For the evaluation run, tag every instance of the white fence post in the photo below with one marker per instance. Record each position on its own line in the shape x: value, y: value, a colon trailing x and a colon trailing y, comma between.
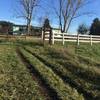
x: 42, y: 35
x: 63, y: 39
x: 53, y: 38
x: 91, y: 39
x: 78, y: 39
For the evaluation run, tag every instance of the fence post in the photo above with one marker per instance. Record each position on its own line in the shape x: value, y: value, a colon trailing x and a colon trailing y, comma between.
x: 91, y: 39
x: 78, y: 40
x: 63, y: 39
x: 53, y: 38
x: 42, y: 34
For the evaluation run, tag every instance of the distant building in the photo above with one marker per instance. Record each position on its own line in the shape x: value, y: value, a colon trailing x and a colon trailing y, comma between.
x: 56, y: 30
x: 19, y: 29
x: 13, y: 29
x: 22, y: 29
x: 6, y: 27
x: 35, y: 31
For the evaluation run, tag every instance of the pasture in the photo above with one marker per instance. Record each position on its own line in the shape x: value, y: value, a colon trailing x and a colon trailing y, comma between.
x: 30, y: 70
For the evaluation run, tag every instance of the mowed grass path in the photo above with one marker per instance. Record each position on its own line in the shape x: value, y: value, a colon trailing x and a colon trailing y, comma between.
x: 74, y: 71
x: 16, y: 83
x: 78, y: 66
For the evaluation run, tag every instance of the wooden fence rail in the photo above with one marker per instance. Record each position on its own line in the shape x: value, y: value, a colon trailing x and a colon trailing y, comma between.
x: 74, y: 38
x: 15, y: 37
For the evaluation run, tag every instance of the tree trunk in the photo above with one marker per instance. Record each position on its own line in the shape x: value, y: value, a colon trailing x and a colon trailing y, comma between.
x: 28, y: 26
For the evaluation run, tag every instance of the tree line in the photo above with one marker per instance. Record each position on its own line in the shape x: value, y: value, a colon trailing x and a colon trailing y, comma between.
x: 64, y: 10
x: 94, y: 29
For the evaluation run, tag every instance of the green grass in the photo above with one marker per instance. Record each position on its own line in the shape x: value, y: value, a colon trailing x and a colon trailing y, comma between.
x: 16, y: 82
x: 69, y: 72
x: 65, y: 92
x: 72, y: 61
x: 60, y: 66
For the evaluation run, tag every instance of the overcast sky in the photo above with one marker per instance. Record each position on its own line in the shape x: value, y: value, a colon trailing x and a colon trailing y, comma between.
x: 8, y: 13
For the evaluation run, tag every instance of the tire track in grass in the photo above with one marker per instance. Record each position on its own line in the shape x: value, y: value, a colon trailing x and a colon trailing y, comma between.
x: 49, y: 93
x: 88, y: 96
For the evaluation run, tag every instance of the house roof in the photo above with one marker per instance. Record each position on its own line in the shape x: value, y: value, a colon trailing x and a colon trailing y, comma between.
x: 19, y: 25
x: 56, y: 28
x: 34, y: 27
x: 5, y: 23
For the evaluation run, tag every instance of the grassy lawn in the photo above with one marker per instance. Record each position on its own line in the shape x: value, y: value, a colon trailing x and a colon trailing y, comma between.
x: 72, y: 72
x: 16, y: 83
x: 78, y: 64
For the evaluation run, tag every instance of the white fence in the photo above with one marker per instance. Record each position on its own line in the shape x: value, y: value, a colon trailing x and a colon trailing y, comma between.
x: 73, y: 38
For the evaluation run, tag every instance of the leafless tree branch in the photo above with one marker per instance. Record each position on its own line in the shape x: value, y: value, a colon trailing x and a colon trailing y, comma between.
x: 68, y: 10
x: 26, y: 11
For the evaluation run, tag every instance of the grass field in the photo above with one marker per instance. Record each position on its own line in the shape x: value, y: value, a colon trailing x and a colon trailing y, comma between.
x: 31, y: 71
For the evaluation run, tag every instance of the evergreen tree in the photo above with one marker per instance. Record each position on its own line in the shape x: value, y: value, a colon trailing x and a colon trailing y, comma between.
x: 83, y: 29
x: 95, y: 27
x: 47, y: 23
x: 47, y: 27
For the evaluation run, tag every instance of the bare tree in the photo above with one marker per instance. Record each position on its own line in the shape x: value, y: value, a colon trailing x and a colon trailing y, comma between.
x: 27, y: 11
x: 67, y: 10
